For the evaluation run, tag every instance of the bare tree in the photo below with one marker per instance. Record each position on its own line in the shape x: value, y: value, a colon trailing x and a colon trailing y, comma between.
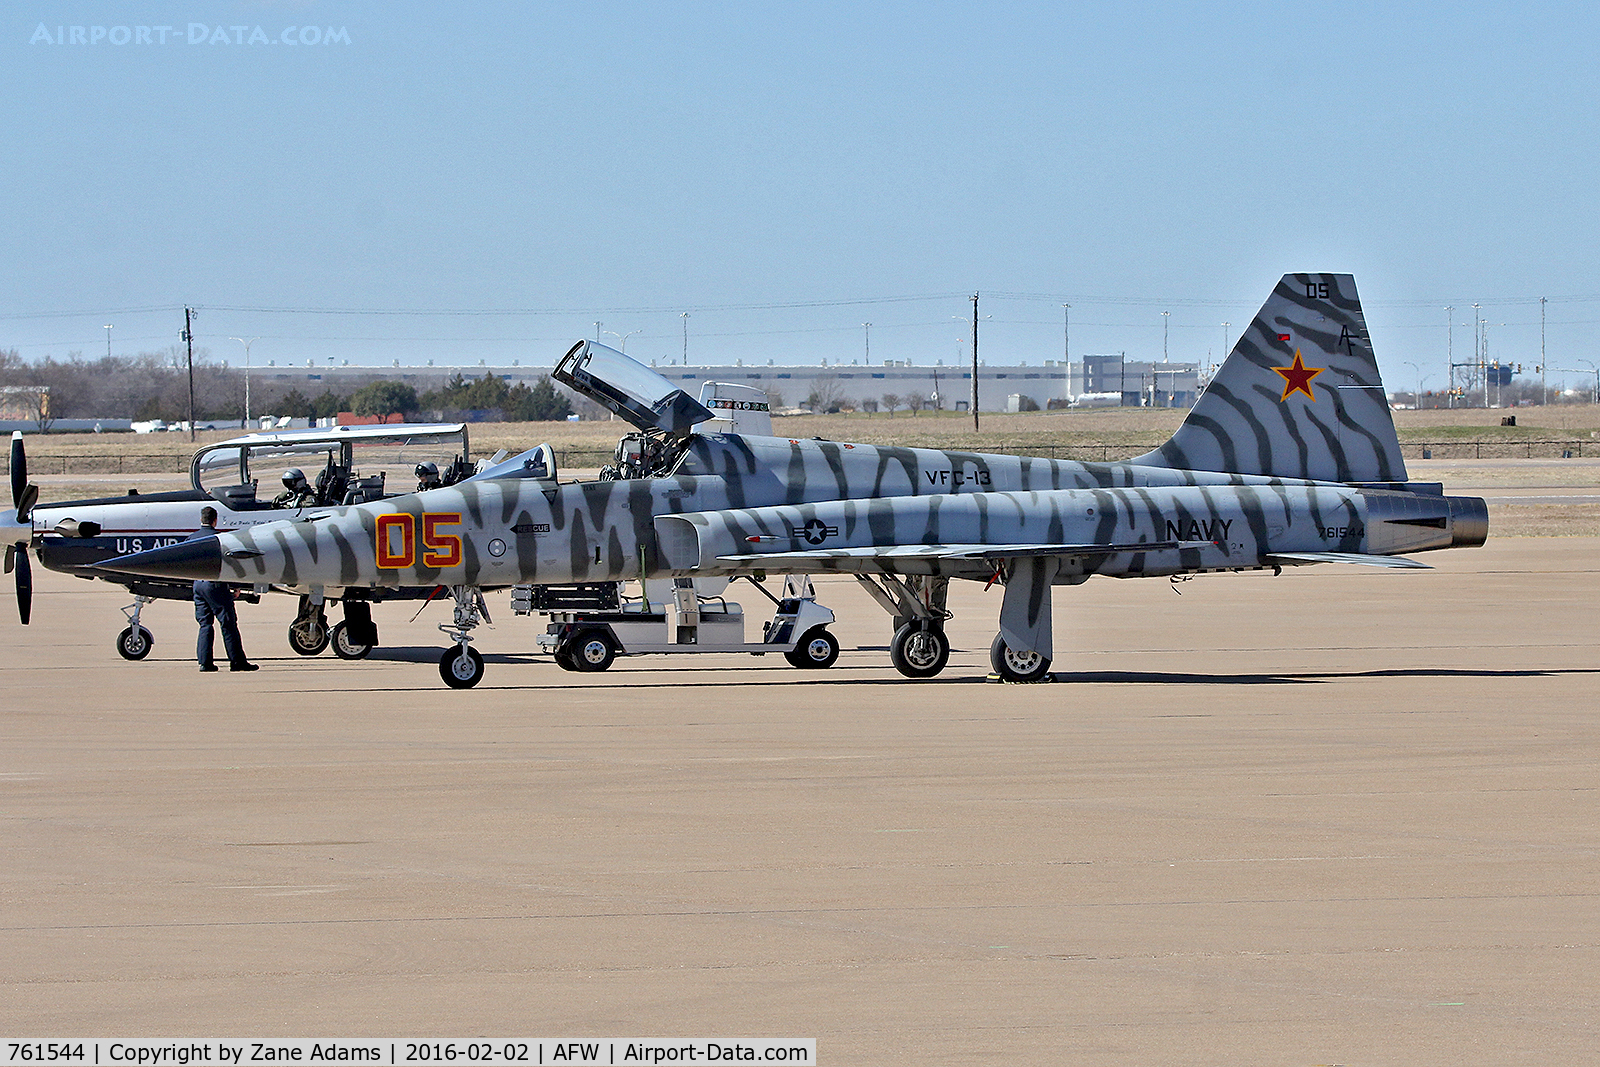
x: 826, y: 394
x: 891, y: 401
x: 916, y: 402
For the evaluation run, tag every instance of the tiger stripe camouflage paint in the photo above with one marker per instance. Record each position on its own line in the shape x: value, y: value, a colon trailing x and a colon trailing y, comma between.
x: 1337, y: 429
x: 1263, y: 465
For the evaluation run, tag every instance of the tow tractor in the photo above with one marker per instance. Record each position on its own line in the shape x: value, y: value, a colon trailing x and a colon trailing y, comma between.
x: 592, y: 624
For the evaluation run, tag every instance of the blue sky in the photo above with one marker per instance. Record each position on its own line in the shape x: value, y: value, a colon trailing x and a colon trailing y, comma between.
x: 786, y: 172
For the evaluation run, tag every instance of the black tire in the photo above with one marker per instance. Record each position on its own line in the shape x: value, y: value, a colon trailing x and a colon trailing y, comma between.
x: 564, y: 661
x: 308, y: 637
x: 816, y: 650
x: 1014, y: 666
x: 461, y: 667
x: 135, y: 643
x: 343, y: 647
x: 590, y: 650
x: 919, y: 650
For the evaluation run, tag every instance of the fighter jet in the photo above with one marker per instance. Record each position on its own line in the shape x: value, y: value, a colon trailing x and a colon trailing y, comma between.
x: 1288, y: 458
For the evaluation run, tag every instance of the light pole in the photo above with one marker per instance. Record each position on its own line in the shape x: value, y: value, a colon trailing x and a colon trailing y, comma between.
x: 1166, y: 318
x: 597, y: 333
x: 1449, y: 353
x: 974, y: 362
x: 1544, y: 389
x: 246, y: 341
x: 1499, y: 390
x: 108, y: 345
x: 685, y: 318
x: 622, y: 338
x: 1418, y: 398
x: 1477, y: 351
x: 1225, y: 339
x: 867, y: 326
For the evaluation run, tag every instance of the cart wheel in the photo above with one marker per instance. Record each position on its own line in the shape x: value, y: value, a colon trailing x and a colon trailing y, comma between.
x: 308, y: 636
x: 1014, y: 666
x: 919, y: 651
x: 135, y: 643
x: 461, y: 667
x: 345, y: 648
x: 591, y: 650
x: 817, y: 649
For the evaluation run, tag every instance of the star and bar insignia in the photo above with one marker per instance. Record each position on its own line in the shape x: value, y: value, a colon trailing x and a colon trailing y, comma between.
x: 1297, y: 378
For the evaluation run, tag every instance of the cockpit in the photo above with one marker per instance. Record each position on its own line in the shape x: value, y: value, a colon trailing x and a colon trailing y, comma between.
x: 663, y: 414
x: 329, y: 467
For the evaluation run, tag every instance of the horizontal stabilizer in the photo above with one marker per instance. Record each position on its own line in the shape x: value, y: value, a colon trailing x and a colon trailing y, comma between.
x: 1365, y: 559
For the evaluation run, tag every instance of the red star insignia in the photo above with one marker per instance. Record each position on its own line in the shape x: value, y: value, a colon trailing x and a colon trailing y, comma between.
x: 1297, y: 379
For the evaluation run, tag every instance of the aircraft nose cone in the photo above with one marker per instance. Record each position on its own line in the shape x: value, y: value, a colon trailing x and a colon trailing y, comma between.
x: 190, y: 560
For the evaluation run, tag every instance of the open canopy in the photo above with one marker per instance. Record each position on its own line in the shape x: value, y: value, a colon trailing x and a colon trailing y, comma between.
x: 629, y: 389
x: 395, y: 448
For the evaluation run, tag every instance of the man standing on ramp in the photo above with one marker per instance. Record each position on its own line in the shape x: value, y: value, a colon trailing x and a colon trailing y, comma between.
x: 214, y: 601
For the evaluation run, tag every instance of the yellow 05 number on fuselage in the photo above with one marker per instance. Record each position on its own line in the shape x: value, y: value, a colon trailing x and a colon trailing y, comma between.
x: 397, y: 540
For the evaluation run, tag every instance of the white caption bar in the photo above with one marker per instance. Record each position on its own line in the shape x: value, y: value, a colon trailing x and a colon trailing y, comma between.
x: 405, y: 1052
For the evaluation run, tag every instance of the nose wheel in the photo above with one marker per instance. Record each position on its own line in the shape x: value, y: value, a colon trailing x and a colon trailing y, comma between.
x: 461, y: 667
x: 135, y: 642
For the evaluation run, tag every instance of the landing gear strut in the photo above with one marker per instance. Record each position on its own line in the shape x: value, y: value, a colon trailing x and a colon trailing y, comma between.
x: 308, y: 634
x: 461, y: 667
x: 919, y: 648
x: 135, y: 642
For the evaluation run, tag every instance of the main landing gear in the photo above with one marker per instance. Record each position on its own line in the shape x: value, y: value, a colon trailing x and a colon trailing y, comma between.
x: 308, y: 634
x: 1014, y: 666
x: 461, y: 666
x: 919, y: 648
x: 354, y: 638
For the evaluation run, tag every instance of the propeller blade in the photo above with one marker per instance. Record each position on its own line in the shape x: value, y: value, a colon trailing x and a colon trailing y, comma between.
x: 11, y: 558
x: 30, y: 497
x: 24, y: 586
x: 19, y: 469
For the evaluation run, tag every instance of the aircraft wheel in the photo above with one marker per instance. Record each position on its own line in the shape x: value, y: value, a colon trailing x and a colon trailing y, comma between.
x: 1014, y: 666
x: 345, y: 648
x: 461, y: 667
x: 919, y: 651
x: 135, y: 643
x: 308, y: 636
x: 817, y: 649
x: 591, y: 650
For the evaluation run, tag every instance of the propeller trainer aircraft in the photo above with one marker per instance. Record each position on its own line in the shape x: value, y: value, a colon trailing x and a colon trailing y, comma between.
x: 347, y: 464
x: 1288, y: 458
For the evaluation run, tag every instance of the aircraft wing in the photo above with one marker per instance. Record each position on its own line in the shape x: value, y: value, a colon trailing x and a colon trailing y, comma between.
x: 1365, y: 559
x: 891, y: 553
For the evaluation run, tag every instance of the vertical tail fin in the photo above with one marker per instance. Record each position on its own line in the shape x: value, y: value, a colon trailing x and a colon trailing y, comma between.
x: 1298, y: 397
